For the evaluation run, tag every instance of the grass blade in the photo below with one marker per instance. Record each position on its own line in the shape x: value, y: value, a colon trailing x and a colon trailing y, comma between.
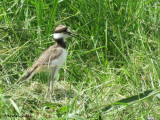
x: 132, y: 99
x: 55, y: 4
x: 15, y: 106
x: 38, y: 4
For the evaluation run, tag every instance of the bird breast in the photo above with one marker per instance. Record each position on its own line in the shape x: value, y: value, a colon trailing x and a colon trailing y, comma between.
x: 61, y: 59
x: 46, y: 63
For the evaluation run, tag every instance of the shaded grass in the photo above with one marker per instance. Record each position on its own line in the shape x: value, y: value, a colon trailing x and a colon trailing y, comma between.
x: 118, y: 58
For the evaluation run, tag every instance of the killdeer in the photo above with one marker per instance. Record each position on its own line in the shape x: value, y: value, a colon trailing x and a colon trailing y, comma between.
x: 53, y: 58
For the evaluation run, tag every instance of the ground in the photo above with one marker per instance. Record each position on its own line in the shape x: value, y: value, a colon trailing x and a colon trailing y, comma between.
x: 112, y: 68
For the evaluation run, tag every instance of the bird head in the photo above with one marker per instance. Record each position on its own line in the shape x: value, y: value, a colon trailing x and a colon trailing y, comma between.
x: 61, y: 32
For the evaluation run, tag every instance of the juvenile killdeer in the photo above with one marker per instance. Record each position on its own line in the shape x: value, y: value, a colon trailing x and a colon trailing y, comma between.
x: 53, y: 58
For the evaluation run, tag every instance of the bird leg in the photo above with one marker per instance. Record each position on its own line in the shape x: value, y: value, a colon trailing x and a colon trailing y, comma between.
x: 50, y: 87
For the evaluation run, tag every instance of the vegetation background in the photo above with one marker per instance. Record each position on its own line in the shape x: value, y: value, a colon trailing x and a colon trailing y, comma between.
x: 116, y: 57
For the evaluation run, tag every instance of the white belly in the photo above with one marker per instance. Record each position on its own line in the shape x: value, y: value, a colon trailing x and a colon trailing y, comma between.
x: 59, y: 61
x: 55, y: 64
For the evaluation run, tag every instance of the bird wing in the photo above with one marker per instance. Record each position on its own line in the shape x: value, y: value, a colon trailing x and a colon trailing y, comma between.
x: 48, y: 56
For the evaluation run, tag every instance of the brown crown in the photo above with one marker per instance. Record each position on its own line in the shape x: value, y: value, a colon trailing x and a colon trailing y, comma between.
x: 60, y: 28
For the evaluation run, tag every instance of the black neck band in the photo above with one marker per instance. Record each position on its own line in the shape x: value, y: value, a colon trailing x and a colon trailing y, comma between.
x: 61, y: 42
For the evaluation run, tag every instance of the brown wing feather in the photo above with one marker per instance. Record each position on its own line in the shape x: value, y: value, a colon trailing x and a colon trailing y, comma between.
x: 48, y: 56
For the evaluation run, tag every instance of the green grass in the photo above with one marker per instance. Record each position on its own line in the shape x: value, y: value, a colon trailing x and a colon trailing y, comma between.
x: 116, y: 60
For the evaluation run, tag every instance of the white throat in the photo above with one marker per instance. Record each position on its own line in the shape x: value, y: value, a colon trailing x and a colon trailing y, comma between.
x: 60, y: 36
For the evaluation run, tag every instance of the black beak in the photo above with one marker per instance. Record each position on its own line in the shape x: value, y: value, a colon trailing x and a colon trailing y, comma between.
x: 73, y: 35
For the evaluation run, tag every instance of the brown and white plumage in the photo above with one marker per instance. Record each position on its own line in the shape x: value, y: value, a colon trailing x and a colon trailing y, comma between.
x: 53, y: 58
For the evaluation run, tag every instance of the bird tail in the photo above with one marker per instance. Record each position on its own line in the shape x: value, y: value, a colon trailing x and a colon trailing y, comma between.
x: 29, y: 74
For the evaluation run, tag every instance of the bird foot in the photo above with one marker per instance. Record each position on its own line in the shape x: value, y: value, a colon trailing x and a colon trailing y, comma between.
x: 49, y: 94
